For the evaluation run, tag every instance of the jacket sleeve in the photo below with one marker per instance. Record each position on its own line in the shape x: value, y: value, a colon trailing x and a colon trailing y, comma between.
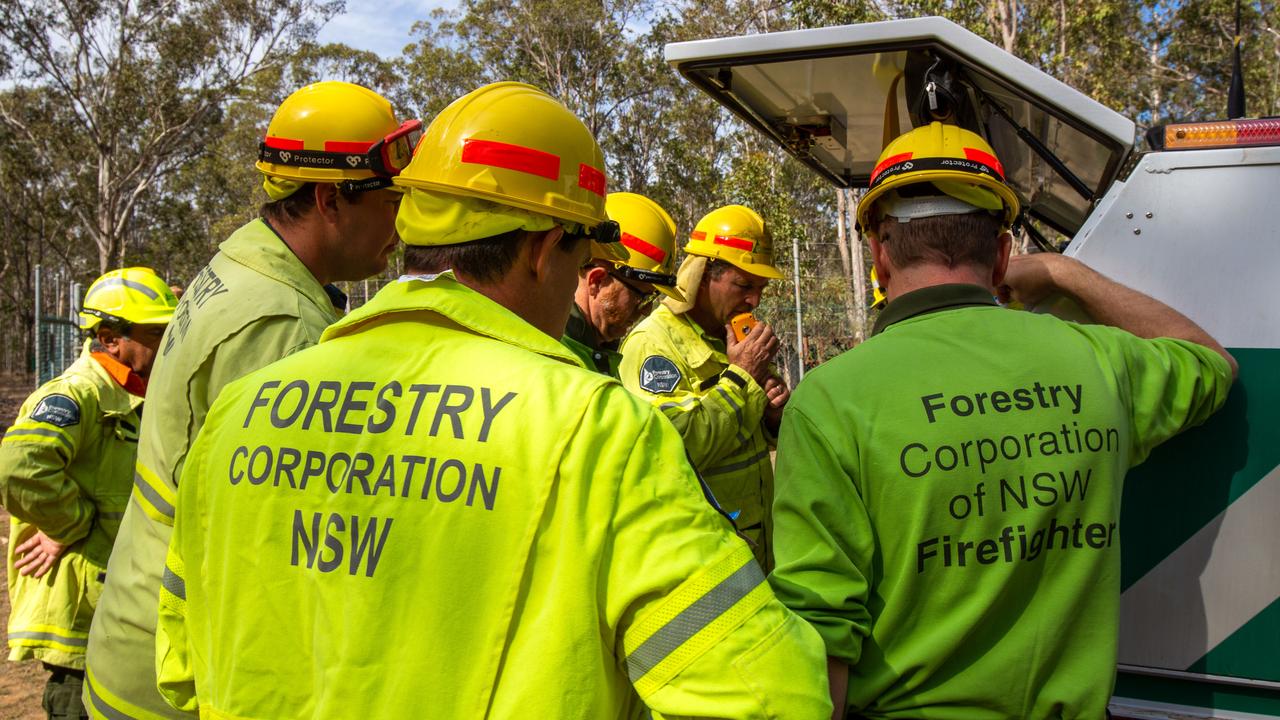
x: 175, y: 672
x: 713, y: 422
x: 696, y: 627
x: 1172, y: 385
x: 34, y: 456
x: 823, y: 543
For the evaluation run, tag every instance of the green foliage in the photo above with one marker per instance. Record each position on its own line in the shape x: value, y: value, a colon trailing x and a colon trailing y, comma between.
x: 130, y: 129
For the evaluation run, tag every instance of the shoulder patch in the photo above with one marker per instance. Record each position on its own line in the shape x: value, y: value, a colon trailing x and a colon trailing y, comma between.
x: 60, y: 410
x: 658, y: 374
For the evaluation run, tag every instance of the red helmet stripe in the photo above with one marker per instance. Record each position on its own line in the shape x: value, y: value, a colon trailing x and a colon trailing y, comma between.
x: 280, y: 143
x: 697, y: 235
x: 887, y: 162
x: 511, y: 157
x: 591, y: 179
x: 342, y: 146
x: 649, y: 250
x: 985, y: 158
x: 736, y: 243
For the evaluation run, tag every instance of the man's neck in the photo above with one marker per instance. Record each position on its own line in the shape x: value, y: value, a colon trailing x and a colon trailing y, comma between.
x: 708, y: 323
x: 300, y: 237
x: 918, y: 277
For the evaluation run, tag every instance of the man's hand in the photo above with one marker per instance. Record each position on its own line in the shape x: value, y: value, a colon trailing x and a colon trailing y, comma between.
x: 776, y: 395
x: 754, y: 353
x: 1030, y: 278
x: 37, y: 555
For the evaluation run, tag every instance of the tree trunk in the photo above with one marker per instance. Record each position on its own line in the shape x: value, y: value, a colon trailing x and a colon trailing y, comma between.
x: 857, y: 258
x: 846, y: 262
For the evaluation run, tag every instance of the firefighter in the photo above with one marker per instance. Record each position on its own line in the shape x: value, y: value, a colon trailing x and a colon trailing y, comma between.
x: 615, y: 289
x: 437, y: 512
x: 327, y: 161
x: 948, y: 495
x: 723, y: 396
x: 66, y: 468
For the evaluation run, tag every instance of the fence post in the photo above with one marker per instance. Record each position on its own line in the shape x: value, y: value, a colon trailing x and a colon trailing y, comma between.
x: 36, y: 326
x: 795, y: 269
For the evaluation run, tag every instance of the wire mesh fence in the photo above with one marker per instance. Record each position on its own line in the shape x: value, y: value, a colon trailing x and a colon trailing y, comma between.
x: 56, y: 339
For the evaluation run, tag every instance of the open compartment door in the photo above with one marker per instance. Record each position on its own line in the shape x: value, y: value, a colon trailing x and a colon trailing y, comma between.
x: 833, y: 96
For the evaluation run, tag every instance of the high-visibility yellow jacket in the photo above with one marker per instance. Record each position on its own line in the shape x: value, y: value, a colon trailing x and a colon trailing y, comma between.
x: 718, y: 409
x: 254, y: 303
x: 436, y: 513
x: 66, y: 467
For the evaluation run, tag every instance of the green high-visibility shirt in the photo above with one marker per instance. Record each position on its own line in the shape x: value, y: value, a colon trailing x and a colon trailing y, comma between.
x: 437, y: 513
x: 254, y: 303
x: 948, y: 500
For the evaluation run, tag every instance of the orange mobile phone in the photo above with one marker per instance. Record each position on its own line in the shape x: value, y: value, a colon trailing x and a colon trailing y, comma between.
x: 742, y: 324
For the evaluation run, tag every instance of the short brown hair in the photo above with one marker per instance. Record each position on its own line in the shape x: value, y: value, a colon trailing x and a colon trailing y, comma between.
x: 293, y: 208
x: 485, y: 260
x: 951, y: 240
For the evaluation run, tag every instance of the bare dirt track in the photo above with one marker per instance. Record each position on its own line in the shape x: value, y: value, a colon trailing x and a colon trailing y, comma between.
x: 21, y: 684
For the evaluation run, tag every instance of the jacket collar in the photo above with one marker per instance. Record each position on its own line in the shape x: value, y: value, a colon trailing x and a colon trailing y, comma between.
x: 931, y: 299
x: 691, y: 341
x: 257, y: 246
x: 113, y: 399
x: 443, y: 294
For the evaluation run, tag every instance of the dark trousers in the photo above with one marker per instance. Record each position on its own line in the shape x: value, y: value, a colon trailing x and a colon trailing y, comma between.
x: 62, y: 694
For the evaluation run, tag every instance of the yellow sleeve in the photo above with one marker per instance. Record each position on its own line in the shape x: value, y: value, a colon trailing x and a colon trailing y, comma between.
x: 698, y: 629
x: 713, y: 421
x: 34, y: 455
x: 175, y: 671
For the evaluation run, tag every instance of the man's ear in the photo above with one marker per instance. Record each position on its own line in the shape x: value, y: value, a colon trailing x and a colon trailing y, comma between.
x: 108, y: 338
x: 880, y: 260
x: 1002, y: 259
x: 542, y: 245
x: 596, y: 278
x: 326, y: 195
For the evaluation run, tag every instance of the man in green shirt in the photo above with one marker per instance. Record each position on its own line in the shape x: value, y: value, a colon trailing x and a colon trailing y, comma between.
x: 619, y: 285
x: 948, y: 493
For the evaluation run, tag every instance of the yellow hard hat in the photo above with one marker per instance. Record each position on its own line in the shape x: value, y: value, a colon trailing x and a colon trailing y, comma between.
x: 649, y: 239
x: 959, y: 163
x: 737, y: 235
x: 513, y: 145
x: 335, y: 131
x: 877, y: 292
x: 133, y: 295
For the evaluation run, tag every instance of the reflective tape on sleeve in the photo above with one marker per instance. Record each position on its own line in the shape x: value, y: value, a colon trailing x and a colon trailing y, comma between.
x: 693, y: 619
x: 106, y: 705
x: 49, y: 636
x: 38, y: 434
x: 156, y: 498
x: 173, y: 583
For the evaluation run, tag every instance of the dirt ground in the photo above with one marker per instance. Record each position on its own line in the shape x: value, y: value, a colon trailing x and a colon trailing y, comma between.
x: 21, y: 684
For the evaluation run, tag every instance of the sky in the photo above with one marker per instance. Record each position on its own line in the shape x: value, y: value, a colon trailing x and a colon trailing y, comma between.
x: 381, y: 26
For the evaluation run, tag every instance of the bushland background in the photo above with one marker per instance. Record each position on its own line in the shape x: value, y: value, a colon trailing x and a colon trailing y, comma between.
x: 128, y: 128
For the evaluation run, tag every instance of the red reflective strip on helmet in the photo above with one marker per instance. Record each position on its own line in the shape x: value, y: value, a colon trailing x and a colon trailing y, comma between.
x: 985, y: 158
x: 697, y: 235
x: 280, y: 143
x: 511, y: 157
x: 736, y: 243
x: 341, y: 146
x: 591, y: 179
x: 891, y: 160
x: 653, y: 252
